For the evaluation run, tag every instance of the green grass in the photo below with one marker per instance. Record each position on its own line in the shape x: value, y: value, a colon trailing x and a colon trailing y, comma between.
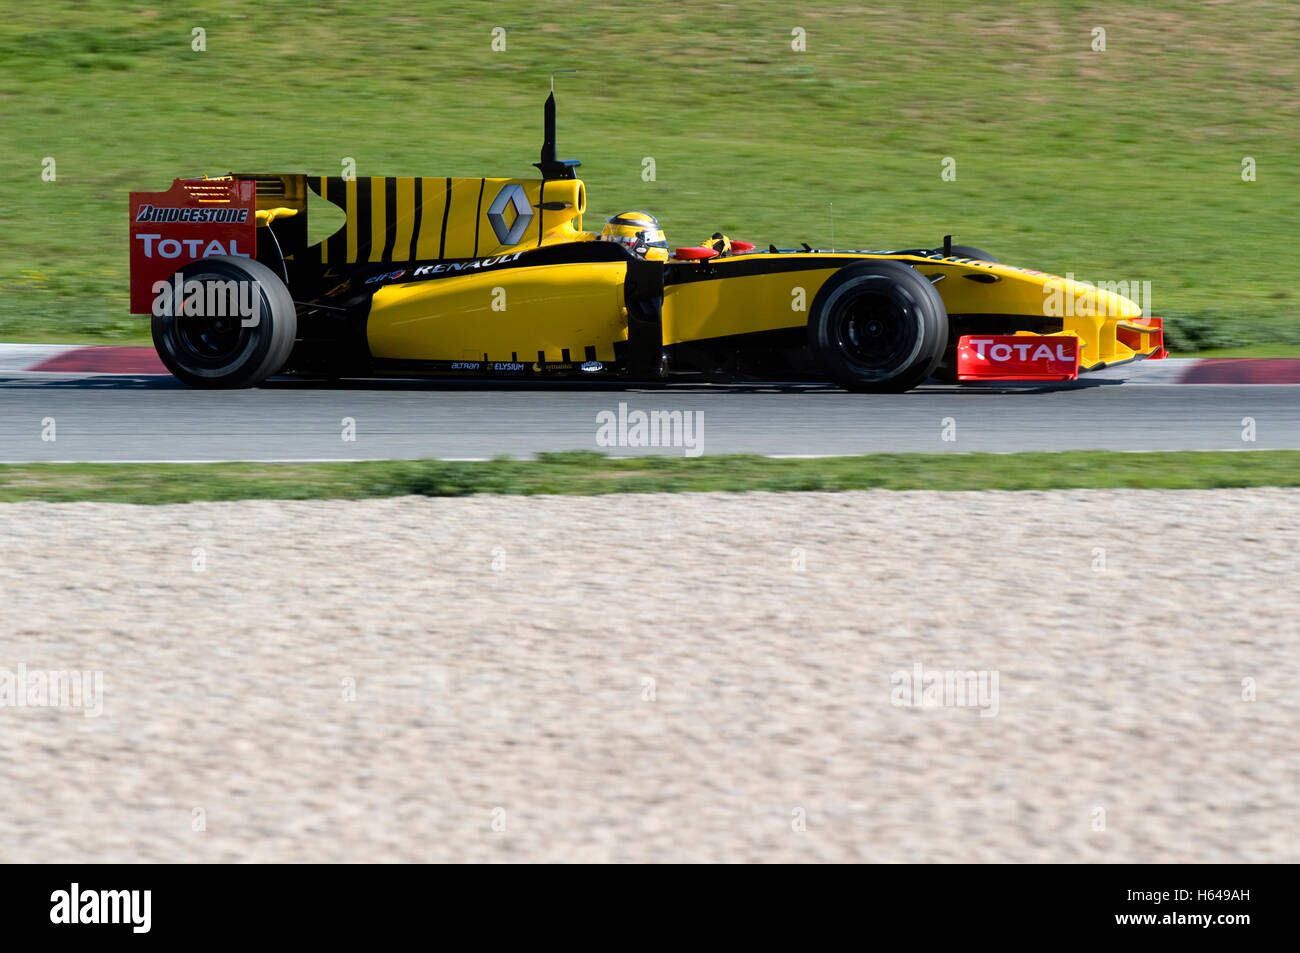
x: 592, y: 474
x: 1122, y: 165
x: 1250, y: 350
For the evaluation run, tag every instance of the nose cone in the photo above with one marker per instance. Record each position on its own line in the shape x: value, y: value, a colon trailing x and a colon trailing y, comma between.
x: 1069, y: 298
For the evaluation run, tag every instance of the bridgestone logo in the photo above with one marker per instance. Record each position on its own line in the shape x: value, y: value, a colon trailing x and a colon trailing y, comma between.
x: 152, y: 213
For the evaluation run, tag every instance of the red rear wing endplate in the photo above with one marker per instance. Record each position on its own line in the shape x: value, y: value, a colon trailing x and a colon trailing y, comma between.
x: 194, y: 219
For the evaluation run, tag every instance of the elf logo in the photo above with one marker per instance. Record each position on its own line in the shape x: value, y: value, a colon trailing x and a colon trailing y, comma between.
x: 103, y: 907
x: 190, y: 247
x: 1001, y: 353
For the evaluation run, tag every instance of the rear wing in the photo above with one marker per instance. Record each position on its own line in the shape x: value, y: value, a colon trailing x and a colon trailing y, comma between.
x: 194, y: 219
x: 386, y: 220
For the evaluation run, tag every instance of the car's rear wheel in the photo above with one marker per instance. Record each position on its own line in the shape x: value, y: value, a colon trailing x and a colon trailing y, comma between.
x: 878, y: 326
x: 232, y: 325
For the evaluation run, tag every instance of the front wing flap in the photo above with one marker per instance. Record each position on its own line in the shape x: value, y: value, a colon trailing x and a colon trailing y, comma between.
x: 1017, y: 357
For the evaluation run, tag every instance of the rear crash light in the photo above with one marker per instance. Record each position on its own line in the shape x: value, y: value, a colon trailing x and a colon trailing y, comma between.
x: 1017, y: 357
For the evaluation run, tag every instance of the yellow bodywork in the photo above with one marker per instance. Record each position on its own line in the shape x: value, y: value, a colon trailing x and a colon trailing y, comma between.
x: 538, y: 313
x: 569, y: 312
x: 697, y: 310
x: 524, y: 314
x: 433, y: 218
x: 1109, y: 326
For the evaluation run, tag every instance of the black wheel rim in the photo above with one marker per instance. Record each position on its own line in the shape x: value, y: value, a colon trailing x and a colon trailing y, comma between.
x: 209, y: 340
x: 875, y: 331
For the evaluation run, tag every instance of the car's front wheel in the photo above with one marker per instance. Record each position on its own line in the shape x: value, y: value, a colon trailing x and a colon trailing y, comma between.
x: 969, y: 251
x: 946, y: 372
x: 878, y: 326
x: 224, y: 322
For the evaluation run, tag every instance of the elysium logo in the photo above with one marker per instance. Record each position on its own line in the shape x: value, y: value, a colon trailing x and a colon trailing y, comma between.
x: 512, y: 195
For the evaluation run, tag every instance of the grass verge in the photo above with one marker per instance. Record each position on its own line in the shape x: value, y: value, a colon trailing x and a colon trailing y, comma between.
x: 1165, y: 153
x: 1249, y: 351
x: 584, y: 473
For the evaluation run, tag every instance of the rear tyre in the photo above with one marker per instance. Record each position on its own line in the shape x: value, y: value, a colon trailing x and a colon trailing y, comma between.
x: 878, y: 326
x: 245, y: 330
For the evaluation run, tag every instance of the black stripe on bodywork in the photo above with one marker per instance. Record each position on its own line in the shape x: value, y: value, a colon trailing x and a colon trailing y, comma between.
x: 778, y: 338
x: 589, y: 352
x: 643, y: 295
x: 678, y: 273
x: 478, y: 218
x: 419, y: 213
x: 347, y: 287
x: 541, y: 203
x: 363, y: 220
x: 1002, y: 324
x: 446, y: 213
x: 338, y: 242
x: 390, y: 218
x: 568, y: 253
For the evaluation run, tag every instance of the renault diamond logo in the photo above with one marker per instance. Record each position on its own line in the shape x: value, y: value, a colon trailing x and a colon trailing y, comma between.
x: 512, y: 194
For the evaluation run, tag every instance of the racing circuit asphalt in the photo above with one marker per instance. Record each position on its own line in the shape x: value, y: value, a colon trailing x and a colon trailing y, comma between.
x: 117, y: 418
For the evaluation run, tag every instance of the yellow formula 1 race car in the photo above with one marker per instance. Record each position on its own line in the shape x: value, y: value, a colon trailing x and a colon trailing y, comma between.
x: 495, y: 277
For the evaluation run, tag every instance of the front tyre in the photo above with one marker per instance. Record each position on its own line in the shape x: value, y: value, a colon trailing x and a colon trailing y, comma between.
x: 233, y: 324
x: 946, y: 372
x: 878, y: 326
x: 969, y: 251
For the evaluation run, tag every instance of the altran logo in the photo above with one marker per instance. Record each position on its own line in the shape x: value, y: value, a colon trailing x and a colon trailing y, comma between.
x: 511, y: 195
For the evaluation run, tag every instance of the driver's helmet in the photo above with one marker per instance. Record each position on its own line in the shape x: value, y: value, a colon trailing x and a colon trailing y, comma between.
x: 639, y: 233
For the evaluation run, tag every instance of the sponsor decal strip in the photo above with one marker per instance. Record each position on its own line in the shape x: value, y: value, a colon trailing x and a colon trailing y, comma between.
x: 153, y: 213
